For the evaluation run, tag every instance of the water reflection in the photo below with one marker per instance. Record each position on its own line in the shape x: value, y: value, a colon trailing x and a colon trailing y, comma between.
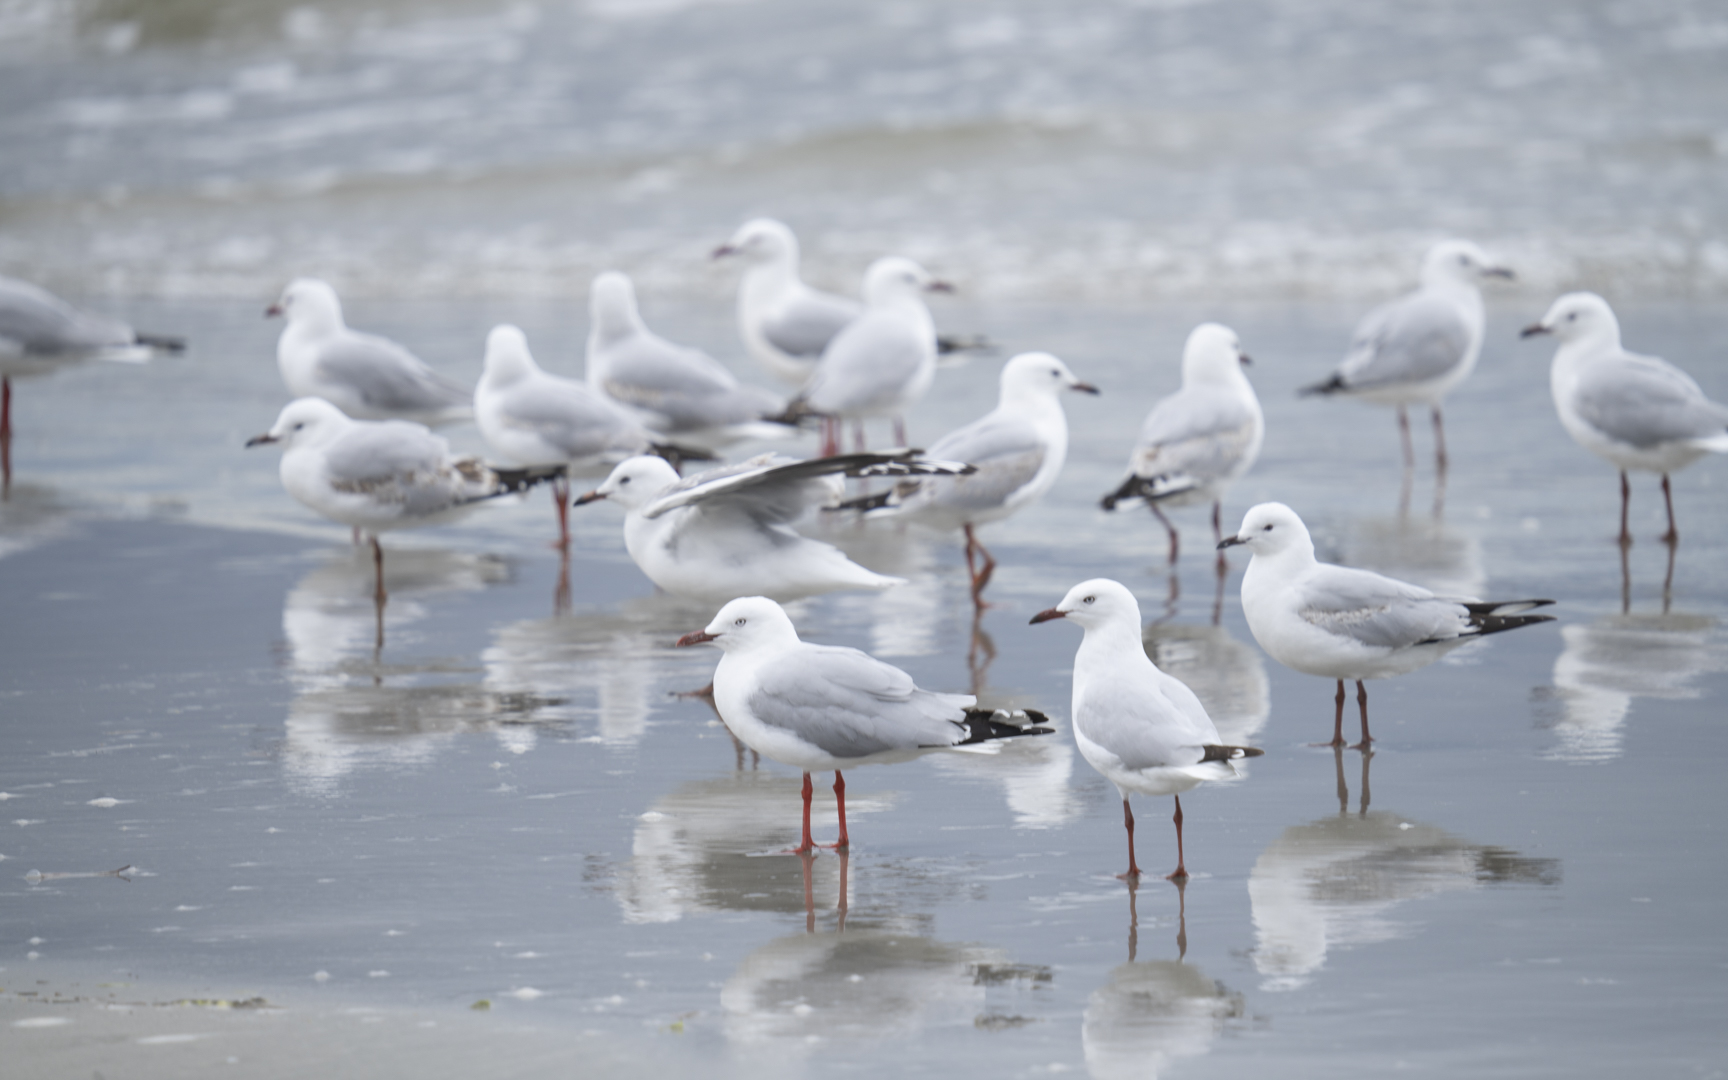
x: 1608, y: 663
x: 1227, y: 675
x: 1035, y: 774
x: 33, y: 514
x: 1334, y: 883
x: 1425, y: 551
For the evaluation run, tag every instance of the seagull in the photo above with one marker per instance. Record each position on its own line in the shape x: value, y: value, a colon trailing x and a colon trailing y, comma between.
x: 366, y: 376
x: 1143, y: 729
x: 882, y: 362
x: 40, y: 332
x: 1017, y: 450
x: 1201, y: 439
x: 822, y: 707
x: 530, y: 417
x: 673, y: 389
x: 378, y: 475
x: 785, y: 323
x: 1415, y: 349
x: 1637, y: 412
x: 1343, y: 623
x: 727, y: 532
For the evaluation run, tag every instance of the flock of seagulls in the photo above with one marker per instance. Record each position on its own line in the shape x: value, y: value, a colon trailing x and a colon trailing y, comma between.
x: 358, y: 448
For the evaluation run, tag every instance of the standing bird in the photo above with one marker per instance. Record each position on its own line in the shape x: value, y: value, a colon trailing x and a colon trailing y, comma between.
x: 1637, y: 412
x: 882, y: 362
x: 673, y: 389
x: 1143, y: 729
x: 378, y: 475
x: 1017, y: 450
x: 727, y: 532
x: 785, y: 323
x: 39, y: 332
x: 1198, y: 441
x: 530, y: 417
x: 1343, y: 623
x: 822, y: 707
x: 1415, y: 349
x: 366, y: 376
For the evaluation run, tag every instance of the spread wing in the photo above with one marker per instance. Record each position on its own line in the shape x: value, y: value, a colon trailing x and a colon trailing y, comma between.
x: 388, y: 378
x: 1413, y: 339
x: 808, y: 322
x: 1643, y: 401
x: 850, y: 704
x: 774, y: 489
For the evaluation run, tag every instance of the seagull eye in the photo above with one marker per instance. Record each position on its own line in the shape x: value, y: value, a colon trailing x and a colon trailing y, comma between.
x: 300, y: 425
x: 1265, y: 528
x: 622, y: 480
x: 739, y: 622
x: 1088, y: 599
x: 1572, y: 317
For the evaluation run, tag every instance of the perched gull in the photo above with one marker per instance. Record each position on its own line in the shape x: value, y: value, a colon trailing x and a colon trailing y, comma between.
x: 1017, y: 449
x: 1198, y: 441
x: 1343, y: 623
x: 883, y: 361
x: 1414, y: 350
x: 40, y: 332
x: 673, y: 389
x: 532, y: 418
x: 1143, y: 729
x: 366, y: 376
x: 1638, y: 412
x: 822, y: 707
x: 727, y: 532
x: 785, y: 323
x: 378, y: 475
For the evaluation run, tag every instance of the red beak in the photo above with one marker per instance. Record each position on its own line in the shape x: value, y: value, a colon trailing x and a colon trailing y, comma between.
x: 696, y: 638
x: 272, y: 311
x: 1046, y: 615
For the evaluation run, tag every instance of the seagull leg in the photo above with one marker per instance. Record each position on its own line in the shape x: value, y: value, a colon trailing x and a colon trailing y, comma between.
x: 1439, y: 441
x: 843, y: 844
x: 1625, y: 507
x: 378, y: 569
x: 1626, y: 576
x: 561, y: 592
x: 1133, y: 873
x: 1181, y: 871
x: 561, y: 499
x: 986, y: 566
x: 1175, y: 541
x: 1672, y: 536
x: 830, y: 436
x: 1218, y: 537
x: 5, y: 436
x: 1337, y: 718
x: 1667, y: 583
x: 806, y: 846
x: 377, y: 599
x: 1404, y: 438
x: 1362, y: 704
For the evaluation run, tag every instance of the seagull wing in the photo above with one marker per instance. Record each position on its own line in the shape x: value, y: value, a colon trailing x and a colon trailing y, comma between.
x: 1644, y: 402
x: 35, y: 321
x: 1199, y: 432
x: 388, y: 378
x: 573, y: 418
x: 1410, y: 340
x: 774, y: 489
x: 806, y: 323
x: 1377, y: 611
x: 850, y: 704
x: 1007, y: 452
x: 868, y: 364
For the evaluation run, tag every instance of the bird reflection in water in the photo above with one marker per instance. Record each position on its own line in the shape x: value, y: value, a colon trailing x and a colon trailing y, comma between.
x: 1149, y: 1013
x: 1227, y: 675
x: 1426, y: 552
x: 1334, y: 883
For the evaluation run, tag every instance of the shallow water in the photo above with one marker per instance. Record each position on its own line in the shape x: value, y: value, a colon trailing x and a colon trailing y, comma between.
x: 508, y: 804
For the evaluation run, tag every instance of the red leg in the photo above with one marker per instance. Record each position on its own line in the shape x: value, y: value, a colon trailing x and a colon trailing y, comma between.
x: 843, y: 843
x: 1133, y: 873
x: 561, y: 499
x: 1175, y: 540
x: 1337, y: 718
x: 830, y: 436
x: 1362, y: 705
x: 378, y: 569
x: 806, y: 845
x: 1404, y: 438
x: 1625, y: 507
x: 1439, y: 441
x: 1181, y: 872
x: 981, y: 571
x: 5, y: 436
x: 1672, y: 536
x: 1218, y: 536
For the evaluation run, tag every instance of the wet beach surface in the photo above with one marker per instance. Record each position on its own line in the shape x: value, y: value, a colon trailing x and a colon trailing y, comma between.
x: 506, y: 803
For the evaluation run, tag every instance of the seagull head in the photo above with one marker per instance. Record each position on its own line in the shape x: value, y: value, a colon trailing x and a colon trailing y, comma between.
x: 507, y: 356
x: 745, y: 623
x: 1039, y: 375
x: 1269, y: 529
x: 1579, y: 316
x: 309, y: 304
x: 1099, y: 602
x: 612, y: 306
x: 634, y: 482
x: 894, y: 278
x: 761, y: 240
x: 302, y: 422
x: 1459, y: 260
x: 1213, y: 354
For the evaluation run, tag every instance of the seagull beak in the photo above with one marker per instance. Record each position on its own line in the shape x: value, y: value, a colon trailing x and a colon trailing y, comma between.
x: 584, y: 500
x: 696, y: 638
x: 1533, y: 329
x: 1084, y: 388
x: 1230, y: 541
x: 1046, y: 615
x: 1500, y: 272
x: 272, y: 311
x: 724, y: 250
x: 939, y: 286
x: 1245, y: 359
x: 260, y: 440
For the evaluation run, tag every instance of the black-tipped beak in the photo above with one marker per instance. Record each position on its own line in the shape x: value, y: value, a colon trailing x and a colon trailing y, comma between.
x: 260, y: 440
x: 939, y: 286
x: 272, y: 311
x: 1500, y: 272
x: 1532, y: 330
x: 1245, y: 358
x: 1046, y: 615
x: 1230, y: 541
x: 696, y: 637
x: 1084, y: 388
x: 724, y: 250
x: 584, y: 500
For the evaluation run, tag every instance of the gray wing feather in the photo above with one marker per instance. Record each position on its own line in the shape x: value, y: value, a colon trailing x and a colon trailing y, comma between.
x: 574, y: 419
x: 687, y: 386
x: 1378, y: 611
x: 370, y: 452
x: 852, y: 705
x: 1006, y: 452
x: 867, y: 364
x: 805, y: 326
x: 387, y: 376
x: 1644, y: 401
x: 38, y: 322
x: 774, y: 489
x: 1142, y: 726
x: 1412, y: 339
x: 1200, y: 432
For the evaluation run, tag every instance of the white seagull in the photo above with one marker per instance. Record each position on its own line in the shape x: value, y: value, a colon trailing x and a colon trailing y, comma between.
x: 1144, y: 730
x: 785, y: 323
x: 882, y: 362
x: 1343, y: 623
x: 378, y: 475
x: 1017, y: 449
x: 531, y: 417
x: 366, y: 376
x: 1415, y: 349
x: 673, y: 389
x: 1201, y: 439
x: 825, y: 707
x: 1637, y: 412
x: 727, y: 532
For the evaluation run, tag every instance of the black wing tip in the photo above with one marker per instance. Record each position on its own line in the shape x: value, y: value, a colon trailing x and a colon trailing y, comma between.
x: 953, y: 343
x: 676, y: 455
x: 1132, y: 488
x: 796, y: 414
x: 864, y: 504
x: 1332, y: 385
x: 511, y: 481
x: 982, y: 726
x: 162, y: 342
x: 1230, y: 753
